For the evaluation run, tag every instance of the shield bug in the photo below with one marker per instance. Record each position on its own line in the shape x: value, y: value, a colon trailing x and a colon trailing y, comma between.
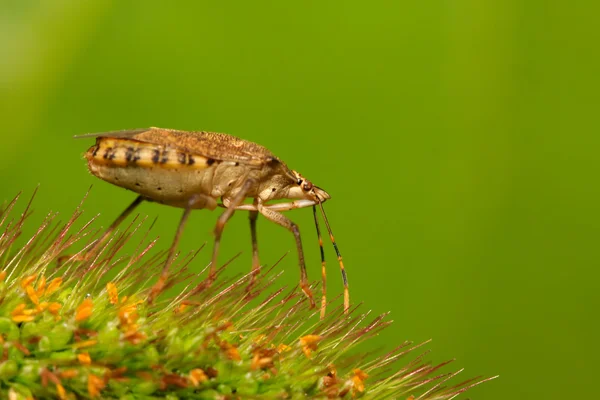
x: 194, y: 170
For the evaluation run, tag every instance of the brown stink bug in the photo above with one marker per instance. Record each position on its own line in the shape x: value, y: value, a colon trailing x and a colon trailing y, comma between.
x: 192, y: 170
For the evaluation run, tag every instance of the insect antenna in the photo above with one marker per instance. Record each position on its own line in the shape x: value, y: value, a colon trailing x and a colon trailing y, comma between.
x: 339, y: 256
x: 323, y: 269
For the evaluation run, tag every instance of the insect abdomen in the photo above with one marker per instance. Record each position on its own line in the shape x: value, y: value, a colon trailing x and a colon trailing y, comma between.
x: 159, y: 173
x: 124, y: 152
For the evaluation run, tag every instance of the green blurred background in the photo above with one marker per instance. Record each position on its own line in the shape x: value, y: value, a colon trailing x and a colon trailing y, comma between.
x: 459, y: 141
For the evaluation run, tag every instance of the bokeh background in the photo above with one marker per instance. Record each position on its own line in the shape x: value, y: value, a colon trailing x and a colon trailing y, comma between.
x: 459, y: 141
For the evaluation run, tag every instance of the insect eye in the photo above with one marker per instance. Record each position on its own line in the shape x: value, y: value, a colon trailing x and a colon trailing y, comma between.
x: 299, y: 181
x: 307, y: 186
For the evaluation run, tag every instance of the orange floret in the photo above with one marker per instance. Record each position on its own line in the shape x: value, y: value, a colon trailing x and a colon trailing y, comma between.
x: 95, y: 385
x: 19, y: 309
x: 181, y: 308
x: 84, y: 358
x: 128, y: 313
x: 309, y: 344
x: 259, y: 339
x: 68, y: 373
x: 62, y: 394
x: 134, y: 337
x: 197, y: 376
x: 54, y: 308
x: 23, y: 318
x: 283, y: 348
x: 53, y: 286
x: 358, y: 381
x: 113, y: 294
x: 41, y: 286
x: 185, y: 304
x: 32, y: 294
x: 85, y: 343
x: 28, y: 281
x: 262, y: 358
x: 84, y: 311
x: 230, y: 350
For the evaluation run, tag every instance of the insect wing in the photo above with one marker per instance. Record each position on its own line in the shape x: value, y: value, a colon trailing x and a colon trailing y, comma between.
x: 125, y: 134
x: 217, y: 146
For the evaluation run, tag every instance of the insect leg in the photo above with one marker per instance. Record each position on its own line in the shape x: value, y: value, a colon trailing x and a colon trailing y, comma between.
x: 162, y: 280
x: 231, y: 206
x: 341, y: 262
x: 292, y: 205
x: 323, y: 269
x: 253, y: 215
x: 92, y: 251
x: 138, y: 200
x: 292, y: 227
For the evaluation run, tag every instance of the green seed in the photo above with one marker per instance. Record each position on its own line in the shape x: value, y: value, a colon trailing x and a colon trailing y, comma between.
x: 65, y: 356
x: 152, y: 355
x: 60, y: 335
x: 29, y: 330
x: 30, y: 372
x: 15, y: 354
x: 44, y: 345
x: 9, y: 329
x: 145, y: 388
x: 8, y: 369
